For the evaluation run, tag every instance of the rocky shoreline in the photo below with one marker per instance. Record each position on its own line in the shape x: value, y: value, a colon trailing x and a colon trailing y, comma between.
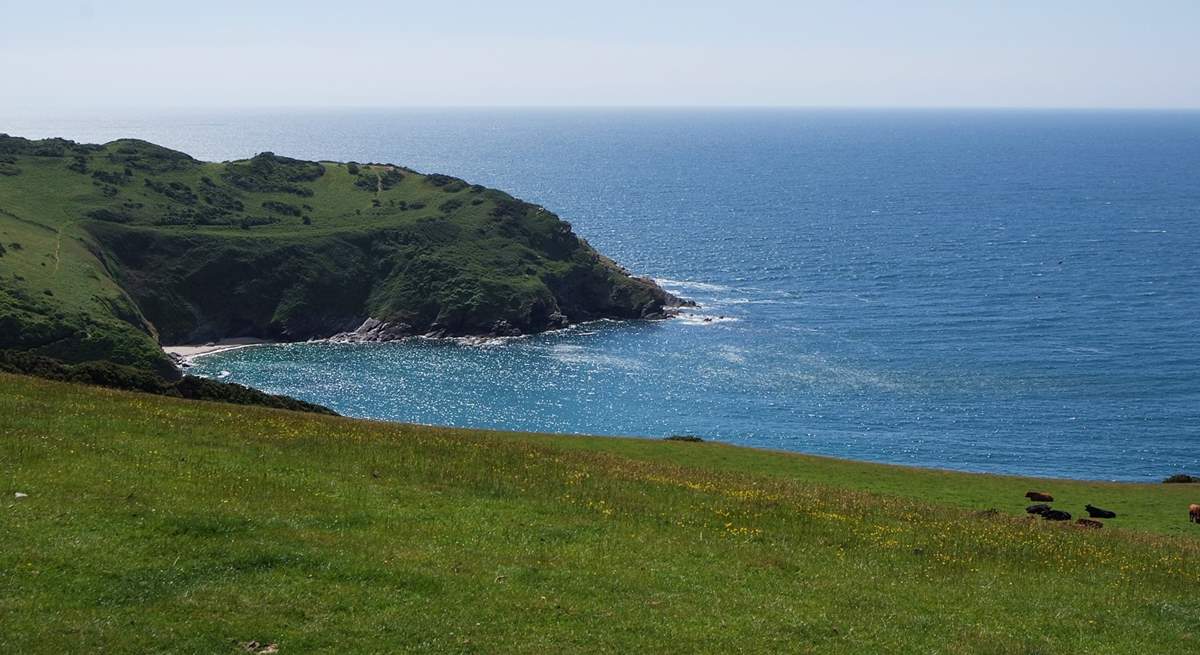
x: 373, y: 330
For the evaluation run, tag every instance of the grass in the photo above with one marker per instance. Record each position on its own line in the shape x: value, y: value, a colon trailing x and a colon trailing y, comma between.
x: 154, y: 524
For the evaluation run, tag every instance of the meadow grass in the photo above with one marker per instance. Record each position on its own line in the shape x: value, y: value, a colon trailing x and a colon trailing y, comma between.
x: 160, y: 525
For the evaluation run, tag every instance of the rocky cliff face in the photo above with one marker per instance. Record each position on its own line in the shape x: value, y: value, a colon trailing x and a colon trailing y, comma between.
x: 196, y: 287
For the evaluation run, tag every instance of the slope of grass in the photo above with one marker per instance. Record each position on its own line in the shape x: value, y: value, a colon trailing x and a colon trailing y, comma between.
x: 128, y: 242
x: 162, y: 525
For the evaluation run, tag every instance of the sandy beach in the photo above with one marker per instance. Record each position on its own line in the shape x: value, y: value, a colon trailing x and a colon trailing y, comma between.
x: 192, y: 351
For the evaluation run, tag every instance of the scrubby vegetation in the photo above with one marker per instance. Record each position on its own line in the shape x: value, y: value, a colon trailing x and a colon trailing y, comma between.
x: 129, y: 378
x: 129, y: 243
x: 149, y: 524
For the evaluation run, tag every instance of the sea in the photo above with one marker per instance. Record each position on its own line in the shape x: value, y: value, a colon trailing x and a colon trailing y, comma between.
x: 1002, y: 291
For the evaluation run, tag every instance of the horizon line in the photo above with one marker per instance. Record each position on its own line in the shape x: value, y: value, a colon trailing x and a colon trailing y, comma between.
x: 11, y: 110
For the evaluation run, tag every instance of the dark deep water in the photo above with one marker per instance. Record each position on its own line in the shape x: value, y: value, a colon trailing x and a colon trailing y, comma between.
x: 991, y: 291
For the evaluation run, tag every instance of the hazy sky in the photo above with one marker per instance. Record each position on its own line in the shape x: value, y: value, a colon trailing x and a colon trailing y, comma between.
x: 1044, y: 53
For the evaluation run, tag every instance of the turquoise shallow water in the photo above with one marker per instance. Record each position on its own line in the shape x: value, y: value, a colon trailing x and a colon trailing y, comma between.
x: 993, y: 291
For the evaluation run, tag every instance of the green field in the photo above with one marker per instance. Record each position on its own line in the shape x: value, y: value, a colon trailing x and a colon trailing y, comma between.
x: 161, y: 525
x: 106, y: 250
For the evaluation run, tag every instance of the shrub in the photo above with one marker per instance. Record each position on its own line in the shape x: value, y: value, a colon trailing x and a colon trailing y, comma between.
x: 196, y: 388
x: 176, y: 191
x: 219, y: 196
x: 352, y: 168
x: 110, y: 177
x: 148, y: 157
x: 1181, y: 478
x: 109, y: 216
x: 281, y: 208
x: 508, y: 208
x: 268, y: 173
x: 379, y: 180
x: 445, y: 182
x: 129, y: 378
x: 390, y: 178
x: 690, y: 438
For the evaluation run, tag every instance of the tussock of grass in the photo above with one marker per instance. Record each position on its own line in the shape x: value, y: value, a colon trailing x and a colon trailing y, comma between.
x: 155, y: 524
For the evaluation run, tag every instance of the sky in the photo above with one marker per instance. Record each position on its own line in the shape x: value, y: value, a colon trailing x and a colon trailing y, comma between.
x: 97, y: 54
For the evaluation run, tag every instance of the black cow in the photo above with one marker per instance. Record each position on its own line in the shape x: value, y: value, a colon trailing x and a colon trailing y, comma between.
x: 1037, y: 509
x: 1039, y: 496
x: 1056, y: 515
x: 1097, y: 513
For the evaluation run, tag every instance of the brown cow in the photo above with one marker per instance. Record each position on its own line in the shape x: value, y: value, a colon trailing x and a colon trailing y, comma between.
x: 1194, y: 513
x: 1039, y: 497
x: 1089, y: 523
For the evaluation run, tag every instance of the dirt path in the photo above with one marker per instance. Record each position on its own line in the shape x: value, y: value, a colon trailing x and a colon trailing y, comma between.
x: 57, y: 249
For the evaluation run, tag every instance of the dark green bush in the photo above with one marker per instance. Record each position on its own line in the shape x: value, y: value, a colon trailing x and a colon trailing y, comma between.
x: 219, y: 196
x: 446, y: 183
x: 509, y: 208
x: 129, y: 378
x: 281, y: 208
x: 196, y: 388
x: 109, y: 215
x: 110, y: 177
x: 176, y: 191
x: 268, y: 173
x: 148, y: 157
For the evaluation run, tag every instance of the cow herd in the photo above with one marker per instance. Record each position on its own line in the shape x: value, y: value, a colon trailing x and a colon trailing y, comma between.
x: 1042, y: 508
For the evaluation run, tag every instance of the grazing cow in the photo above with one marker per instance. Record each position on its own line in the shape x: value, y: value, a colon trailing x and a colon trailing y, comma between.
x: 1039, y: 497
x: 1056, y: 515
x: 1194, y: 513
x: 1037, y: 509
x: 1088, y: 523
x: 1097, y: 513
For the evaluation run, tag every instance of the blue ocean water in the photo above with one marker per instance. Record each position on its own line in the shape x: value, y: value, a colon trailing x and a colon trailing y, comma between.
x: 1001, y: 291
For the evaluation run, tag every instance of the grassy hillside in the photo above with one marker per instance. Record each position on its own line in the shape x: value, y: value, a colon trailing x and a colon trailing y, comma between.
x: 154, y: 524
x: 105, y: 249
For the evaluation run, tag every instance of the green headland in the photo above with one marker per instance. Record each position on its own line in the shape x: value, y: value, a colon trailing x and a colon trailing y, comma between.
x: 108, y: 250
